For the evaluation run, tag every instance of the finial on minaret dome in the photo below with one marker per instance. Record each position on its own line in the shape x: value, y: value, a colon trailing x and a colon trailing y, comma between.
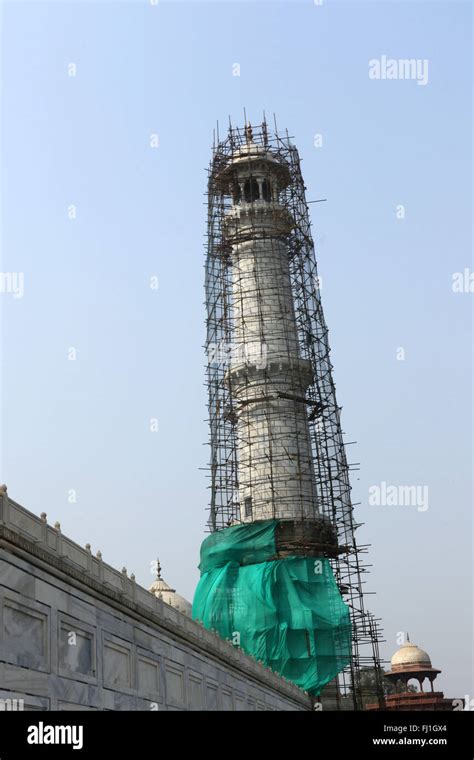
x: 248, y: 132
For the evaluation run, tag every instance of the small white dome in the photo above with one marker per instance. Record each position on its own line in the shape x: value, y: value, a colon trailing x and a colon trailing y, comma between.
x: 168, y: 595
x: 409, y: 654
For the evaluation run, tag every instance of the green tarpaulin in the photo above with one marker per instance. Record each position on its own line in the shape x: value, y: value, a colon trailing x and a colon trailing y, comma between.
x: 288, y: 612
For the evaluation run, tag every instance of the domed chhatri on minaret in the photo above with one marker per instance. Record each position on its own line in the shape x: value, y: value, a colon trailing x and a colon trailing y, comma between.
x: 163, y: 591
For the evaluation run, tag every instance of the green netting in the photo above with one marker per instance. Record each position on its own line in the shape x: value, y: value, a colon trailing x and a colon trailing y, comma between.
x: 288, y: 612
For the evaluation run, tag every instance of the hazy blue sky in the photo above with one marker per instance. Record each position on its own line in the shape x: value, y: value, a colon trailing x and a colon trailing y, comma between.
x: 84, y: 140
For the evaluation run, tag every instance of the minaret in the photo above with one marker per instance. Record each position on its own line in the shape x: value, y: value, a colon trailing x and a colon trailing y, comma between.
x: 282, y: 553
x: 268, y: 376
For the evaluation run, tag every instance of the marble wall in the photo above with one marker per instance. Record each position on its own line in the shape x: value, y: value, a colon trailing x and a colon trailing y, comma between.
x: 71, y: 640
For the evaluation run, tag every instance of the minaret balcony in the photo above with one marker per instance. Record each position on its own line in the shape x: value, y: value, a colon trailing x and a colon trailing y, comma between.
x: 290, y: 374
x: 256, y: 219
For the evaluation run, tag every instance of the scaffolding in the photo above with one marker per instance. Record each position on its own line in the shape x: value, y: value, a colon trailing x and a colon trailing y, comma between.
x: 232, y: 429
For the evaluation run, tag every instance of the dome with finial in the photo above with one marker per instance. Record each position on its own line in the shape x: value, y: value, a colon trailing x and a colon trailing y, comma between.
x: 168, y: 595
x: 410, y: 656
x: 410, y: 662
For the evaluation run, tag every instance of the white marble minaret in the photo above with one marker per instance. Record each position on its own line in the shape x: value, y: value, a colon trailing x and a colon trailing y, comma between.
x: 268, y: 376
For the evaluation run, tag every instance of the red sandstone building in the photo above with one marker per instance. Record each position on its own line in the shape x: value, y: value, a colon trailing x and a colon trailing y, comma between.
x: 410, y: 662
